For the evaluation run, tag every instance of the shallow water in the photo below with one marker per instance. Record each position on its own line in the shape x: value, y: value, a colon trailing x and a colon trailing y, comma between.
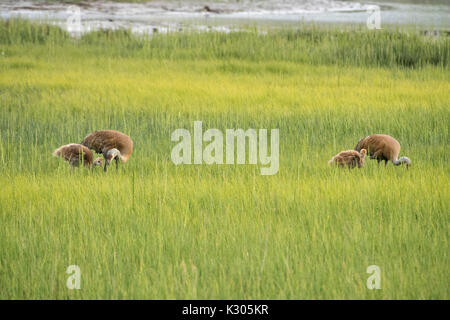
x: 161, y: 16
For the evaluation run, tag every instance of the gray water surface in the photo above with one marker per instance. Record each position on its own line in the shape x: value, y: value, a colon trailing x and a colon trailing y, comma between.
x: 162, y: 16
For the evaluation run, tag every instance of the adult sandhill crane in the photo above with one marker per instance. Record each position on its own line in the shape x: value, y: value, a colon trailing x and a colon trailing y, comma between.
x: 383, y: 147
x: 349, y: 158
x: 114, y: 145
x: 75, y: 153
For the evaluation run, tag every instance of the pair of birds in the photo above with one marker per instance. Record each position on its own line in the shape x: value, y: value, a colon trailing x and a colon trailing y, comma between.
x: 114, y: 145
x: 378, y: 146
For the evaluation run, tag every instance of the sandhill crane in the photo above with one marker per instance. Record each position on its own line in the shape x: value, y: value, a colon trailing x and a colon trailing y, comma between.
x: 383, y: 147
x: 75, y: 153
x: 114, y: 145
x: 349, y: 158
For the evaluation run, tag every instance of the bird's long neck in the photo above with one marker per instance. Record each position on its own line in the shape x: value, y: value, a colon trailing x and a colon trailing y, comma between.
x: 401, y: 160
x: 113, y: 153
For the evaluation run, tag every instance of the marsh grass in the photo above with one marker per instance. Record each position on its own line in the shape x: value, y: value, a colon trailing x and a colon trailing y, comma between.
x: 310, y: 44
x: 154, y: 230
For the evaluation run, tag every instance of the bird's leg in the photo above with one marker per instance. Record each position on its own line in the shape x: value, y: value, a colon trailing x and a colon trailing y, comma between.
x: 117, y: 163
x: 106, y: 161
x: 377, y: 156
x: 385, y: 163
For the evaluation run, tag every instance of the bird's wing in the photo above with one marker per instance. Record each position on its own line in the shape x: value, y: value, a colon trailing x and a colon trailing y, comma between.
x: 98, y: 141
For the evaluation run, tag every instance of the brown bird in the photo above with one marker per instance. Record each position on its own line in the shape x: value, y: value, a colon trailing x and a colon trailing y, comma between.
x: 114, y: 145
x: 383, y: 147
x: 75, y: 153
x: 349, y: 158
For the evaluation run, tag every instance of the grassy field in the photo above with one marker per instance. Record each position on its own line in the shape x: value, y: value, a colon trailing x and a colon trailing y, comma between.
x: 154, y: 230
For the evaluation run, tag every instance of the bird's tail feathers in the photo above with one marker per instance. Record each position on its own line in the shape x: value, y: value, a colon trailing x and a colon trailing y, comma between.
x: 357, y: 148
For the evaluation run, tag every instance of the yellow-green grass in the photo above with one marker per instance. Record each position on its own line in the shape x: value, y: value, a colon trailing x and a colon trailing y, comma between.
x: 154, y: 230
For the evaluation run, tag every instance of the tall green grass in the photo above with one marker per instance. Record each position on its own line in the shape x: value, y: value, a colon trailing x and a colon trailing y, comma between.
x: 154, y: 230
x: 309, y: 44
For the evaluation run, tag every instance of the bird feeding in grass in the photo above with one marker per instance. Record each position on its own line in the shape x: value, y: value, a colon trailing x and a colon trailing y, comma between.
x: 349, y: 158
x: 383, y: 147
x: 75, y: 153
x: 114, y: 145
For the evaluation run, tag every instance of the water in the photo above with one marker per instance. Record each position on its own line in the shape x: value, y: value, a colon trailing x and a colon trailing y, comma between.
x: 159, y: 16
